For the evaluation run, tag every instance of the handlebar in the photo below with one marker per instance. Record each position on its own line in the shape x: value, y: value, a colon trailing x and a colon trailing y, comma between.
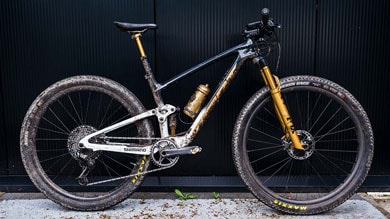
x: 259, y: 29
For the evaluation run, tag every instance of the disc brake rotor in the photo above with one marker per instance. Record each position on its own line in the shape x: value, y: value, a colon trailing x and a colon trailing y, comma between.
x: 308, y: 143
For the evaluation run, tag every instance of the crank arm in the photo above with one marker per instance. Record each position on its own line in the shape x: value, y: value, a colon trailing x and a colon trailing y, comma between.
x: 182, y: 151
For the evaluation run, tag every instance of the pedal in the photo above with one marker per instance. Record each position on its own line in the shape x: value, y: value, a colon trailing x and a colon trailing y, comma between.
x: 181, y: 151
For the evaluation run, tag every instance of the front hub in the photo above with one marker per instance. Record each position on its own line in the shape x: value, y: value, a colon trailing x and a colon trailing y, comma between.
x: 307, y: 141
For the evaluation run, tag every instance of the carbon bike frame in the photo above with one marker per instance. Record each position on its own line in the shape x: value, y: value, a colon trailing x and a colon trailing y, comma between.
x: 244, y: 52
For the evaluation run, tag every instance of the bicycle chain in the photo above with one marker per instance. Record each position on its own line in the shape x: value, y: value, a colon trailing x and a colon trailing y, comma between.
x: 128, y: 176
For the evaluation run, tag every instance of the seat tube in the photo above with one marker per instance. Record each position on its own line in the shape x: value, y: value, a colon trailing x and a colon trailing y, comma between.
x: 280, y: 108
x: 148, y: 71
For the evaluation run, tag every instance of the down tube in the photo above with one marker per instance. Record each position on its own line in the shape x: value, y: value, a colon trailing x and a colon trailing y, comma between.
x: 204, y: 113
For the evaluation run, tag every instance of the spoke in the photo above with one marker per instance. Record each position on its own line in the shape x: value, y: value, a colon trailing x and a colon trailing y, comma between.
x: 299, y: 108
x: 271, y: 113
x: 315, y: 170
x: 264, y: 142
x: 338, y: 159
x: 345, y: 151
x: 340, y: 140
x: 120, y: 119
x: 332, y: 133
x: 261, y: 149
x: 326, y: 123
x: 105, y: 167
x: 105, y: 113
x: 330, y: 171
x: 120, y: 107
x: 50, y: 130
x: 81, y: 108
x: 271, y: 125
x: 266, y: 156
x: 55, y: 115
x: 109, y: 168
x: 265, y: 134
x: 323, y: 111
x: 288, y: 176
x: 67, y: 111
x: 59, y: 128
x: 53, y: 164
x: 331, y: 130
x: 334, y: 164
x: 277, y: 170
x: 55, y: 157
x: 52, y: 150
x: 98, y: 109
x: 51, y: 139
x: 121, y: 164
x: 87, y: 109
x: 63, y: 168
x: 308, y: 111
x: 74, y: 108
x: 312, y: 111
x: 287, y: 158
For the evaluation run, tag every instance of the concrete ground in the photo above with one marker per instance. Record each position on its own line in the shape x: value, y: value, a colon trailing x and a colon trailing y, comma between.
x: 166, y: 205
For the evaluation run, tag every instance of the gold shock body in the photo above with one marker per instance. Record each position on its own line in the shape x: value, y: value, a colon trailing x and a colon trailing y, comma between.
x: 280, y: 108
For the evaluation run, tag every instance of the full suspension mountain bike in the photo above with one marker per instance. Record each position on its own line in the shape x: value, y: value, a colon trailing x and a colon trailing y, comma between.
x: 87, y: 142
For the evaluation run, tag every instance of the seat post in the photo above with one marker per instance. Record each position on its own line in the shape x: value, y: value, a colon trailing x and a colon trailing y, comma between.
x: 137, y: 38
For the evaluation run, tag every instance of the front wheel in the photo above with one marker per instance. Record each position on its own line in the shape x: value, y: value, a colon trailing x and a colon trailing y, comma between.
x: 336, y: 134
x: 58, y: 119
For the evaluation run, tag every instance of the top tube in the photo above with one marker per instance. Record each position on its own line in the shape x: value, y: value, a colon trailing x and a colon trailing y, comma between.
x: 204, y: 64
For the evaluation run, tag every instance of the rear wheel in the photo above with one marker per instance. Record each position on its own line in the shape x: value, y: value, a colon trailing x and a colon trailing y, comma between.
x: 336, y: 135
x: 58, y: 119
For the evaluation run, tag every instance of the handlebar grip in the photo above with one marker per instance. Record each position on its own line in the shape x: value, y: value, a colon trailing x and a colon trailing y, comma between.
x: 253, y: 25
x: 251, y: 33
x: 265, y: 15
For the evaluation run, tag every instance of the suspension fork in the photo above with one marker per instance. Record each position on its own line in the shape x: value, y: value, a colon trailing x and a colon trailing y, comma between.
x: 280, y: 108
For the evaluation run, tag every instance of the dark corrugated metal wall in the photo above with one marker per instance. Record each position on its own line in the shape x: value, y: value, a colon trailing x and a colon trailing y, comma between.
x: 44, y: 41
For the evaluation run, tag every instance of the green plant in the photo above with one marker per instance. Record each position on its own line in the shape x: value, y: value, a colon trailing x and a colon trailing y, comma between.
x: 183, y: 196
x: 216, y: 195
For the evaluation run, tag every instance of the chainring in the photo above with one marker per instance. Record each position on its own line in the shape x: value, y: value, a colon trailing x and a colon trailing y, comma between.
x: 159, y: 156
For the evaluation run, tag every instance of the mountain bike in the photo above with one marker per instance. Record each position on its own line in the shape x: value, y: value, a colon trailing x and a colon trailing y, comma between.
x: 87, y: 142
